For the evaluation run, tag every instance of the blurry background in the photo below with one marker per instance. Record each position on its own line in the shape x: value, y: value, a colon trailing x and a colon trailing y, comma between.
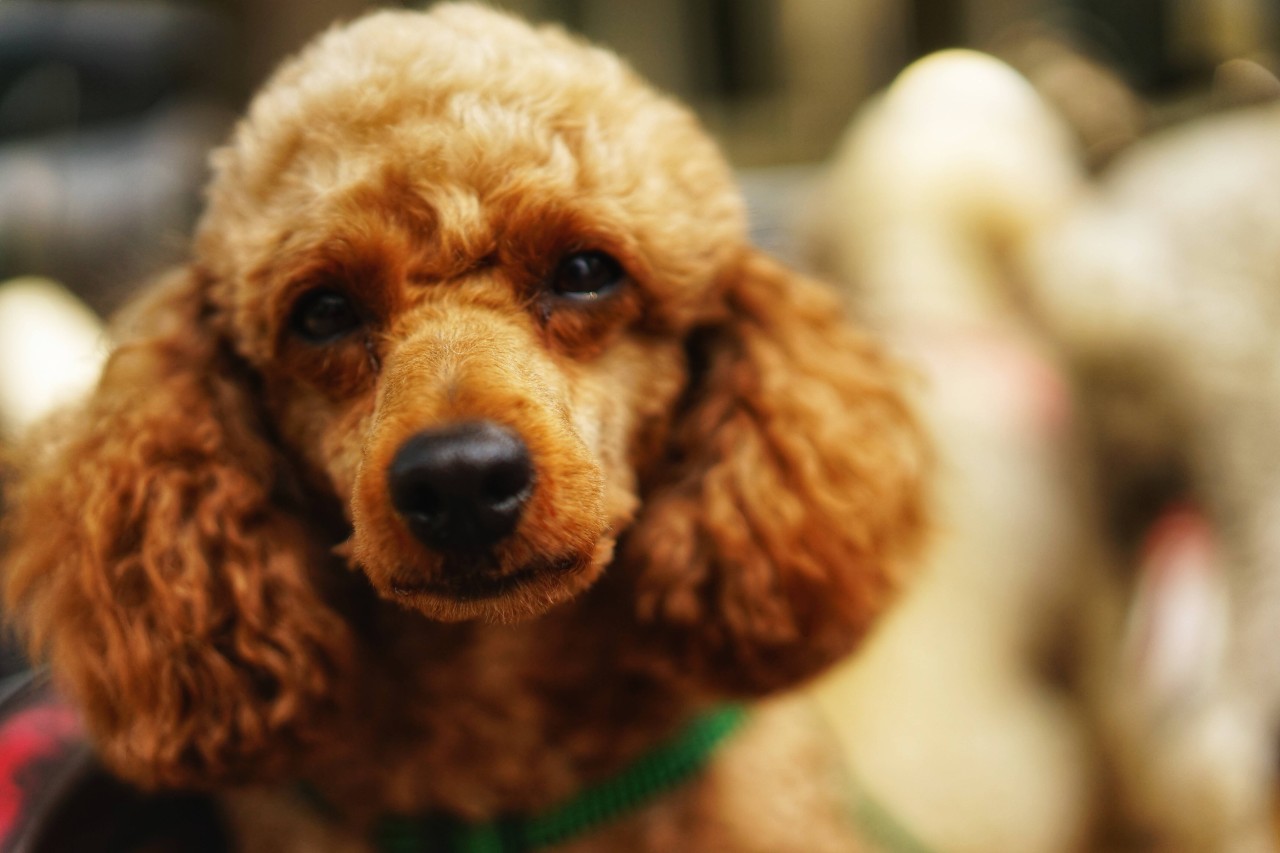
x: 108, y: 107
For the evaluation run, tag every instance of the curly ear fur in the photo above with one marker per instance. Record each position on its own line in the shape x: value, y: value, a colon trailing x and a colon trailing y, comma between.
x: 150, y: 565
x: 794, y: 495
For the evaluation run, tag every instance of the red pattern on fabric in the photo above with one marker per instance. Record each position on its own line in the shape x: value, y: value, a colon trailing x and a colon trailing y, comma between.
x: 27, y: 737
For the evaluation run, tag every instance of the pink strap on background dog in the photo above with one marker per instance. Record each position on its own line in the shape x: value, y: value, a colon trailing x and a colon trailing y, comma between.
x: 1178, y: 620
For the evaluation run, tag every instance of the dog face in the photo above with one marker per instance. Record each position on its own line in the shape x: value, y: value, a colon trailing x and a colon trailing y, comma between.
x: 479, y: 287
x: 465, y: 280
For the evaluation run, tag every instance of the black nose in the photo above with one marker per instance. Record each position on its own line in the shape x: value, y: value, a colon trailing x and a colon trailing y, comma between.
x: 461, y: 487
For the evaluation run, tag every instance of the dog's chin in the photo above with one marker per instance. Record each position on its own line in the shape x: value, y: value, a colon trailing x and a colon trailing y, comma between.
x: 512, y: 596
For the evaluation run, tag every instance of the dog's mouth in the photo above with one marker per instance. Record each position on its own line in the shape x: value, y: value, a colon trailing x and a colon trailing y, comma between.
x: 477, y: 579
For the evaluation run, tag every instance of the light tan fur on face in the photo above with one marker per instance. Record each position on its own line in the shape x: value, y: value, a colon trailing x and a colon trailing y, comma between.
x: 463, y: 365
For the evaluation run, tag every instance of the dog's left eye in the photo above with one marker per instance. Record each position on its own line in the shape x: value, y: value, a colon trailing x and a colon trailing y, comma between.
x: 323, y: 316
x: 586, y: 275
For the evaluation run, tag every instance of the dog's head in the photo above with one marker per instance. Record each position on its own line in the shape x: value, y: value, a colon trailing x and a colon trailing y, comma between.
x: 463, y: 255
x: 479, y: 289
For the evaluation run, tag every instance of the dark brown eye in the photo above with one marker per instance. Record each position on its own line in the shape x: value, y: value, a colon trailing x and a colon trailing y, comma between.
x: 323, y: 316
x: 586, y: 276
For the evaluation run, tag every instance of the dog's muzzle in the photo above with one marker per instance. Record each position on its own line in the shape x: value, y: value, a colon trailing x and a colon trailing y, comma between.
x: 463, y: 487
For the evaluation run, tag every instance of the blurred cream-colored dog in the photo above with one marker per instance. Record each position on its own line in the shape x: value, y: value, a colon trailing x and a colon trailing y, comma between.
x: 1090, y: 663
x: 959, y: 726
x: 1163, y: 286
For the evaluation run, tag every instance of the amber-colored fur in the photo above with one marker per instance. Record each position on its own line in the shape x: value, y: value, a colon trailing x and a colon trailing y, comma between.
x: 726, y: 482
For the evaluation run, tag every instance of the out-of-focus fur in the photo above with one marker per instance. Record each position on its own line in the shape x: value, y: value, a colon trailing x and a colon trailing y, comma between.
x: 1163, y: 287
x: 728, y: 483
x: 957, y: 723
x: 1142, y: 529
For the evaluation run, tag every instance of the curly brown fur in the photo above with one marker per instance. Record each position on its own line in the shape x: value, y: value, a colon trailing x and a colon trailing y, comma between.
x: 726, y: 482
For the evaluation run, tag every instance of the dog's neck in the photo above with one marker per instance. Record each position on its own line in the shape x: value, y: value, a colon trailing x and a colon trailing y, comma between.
x: 478, y: 720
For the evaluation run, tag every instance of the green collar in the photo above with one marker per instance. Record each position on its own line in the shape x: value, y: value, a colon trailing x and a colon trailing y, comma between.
x: 650, y: 776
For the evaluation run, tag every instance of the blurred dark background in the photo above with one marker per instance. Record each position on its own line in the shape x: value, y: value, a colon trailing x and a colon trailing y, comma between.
x: 108, y: 107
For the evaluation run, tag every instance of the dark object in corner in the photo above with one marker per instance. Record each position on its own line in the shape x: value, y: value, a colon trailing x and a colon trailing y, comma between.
x: 56, y: 798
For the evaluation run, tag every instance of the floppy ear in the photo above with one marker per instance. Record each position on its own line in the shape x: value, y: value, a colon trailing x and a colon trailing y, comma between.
x: 793, y: 496
x: 149, y: 564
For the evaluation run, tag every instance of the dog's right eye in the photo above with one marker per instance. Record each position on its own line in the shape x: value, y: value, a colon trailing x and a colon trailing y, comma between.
x: 586, y: 276
x: 323, y: 316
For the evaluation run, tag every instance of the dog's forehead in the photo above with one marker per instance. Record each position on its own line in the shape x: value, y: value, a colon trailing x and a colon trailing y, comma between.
x: 471, y: 113
x: 469, y: 121
x: 469, y: 96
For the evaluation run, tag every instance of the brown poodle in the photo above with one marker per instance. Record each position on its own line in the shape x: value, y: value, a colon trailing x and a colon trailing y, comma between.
x: 474, y: 454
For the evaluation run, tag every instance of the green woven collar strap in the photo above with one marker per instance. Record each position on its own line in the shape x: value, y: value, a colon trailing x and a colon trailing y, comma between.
x: 649, y: 777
